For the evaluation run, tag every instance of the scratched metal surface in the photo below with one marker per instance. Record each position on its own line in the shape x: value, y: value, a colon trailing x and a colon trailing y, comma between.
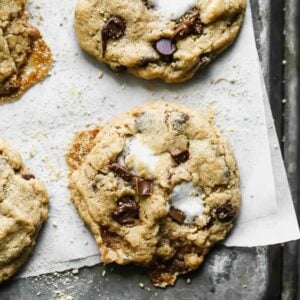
x: 238, y: 273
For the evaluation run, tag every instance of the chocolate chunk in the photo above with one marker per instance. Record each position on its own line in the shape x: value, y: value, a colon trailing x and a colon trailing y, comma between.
x: 28, y: 176
x: 113, y: 29
x: 177, y: 215
x: 226, y: 212
x: 166, y: 47
x: 127, y: 211
x: 180, y: 155
x: 143, y: 187
x: 122, y: 172
x: 190, y: 24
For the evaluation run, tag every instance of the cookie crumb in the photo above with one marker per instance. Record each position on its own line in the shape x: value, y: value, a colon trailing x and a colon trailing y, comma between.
x: 54, y: 224
x: 141, y: 285
x: 100, y: 75
x: 75, y: 271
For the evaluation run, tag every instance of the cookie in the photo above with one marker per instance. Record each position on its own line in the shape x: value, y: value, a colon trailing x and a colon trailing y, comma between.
x: 25, y: 58
x: 23, y: 209
x: 157, y: 186
x: 156, y: 39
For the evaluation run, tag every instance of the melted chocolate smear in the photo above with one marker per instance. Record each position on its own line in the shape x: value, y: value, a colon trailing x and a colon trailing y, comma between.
x: 190, y: 24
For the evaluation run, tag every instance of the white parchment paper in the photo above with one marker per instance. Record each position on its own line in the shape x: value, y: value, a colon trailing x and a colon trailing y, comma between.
x: 43, y: 123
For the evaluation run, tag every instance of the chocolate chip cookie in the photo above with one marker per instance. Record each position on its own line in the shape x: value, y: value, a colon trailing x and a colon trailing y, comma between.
x: 157, y: 186
x: 24, y: 56
x: 158, y: 39
x: 23, y: 209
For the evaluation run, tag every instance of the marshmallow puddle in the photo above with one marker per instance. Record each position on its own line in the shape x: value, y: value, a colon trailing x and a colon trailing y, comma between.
x: 185, y: 198
x: 178, y: 8
x: 140, y: 155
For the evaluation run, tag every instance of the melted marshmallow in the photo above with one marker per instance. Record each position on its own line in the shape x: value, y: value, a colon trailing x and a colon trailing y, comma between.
x: 185, y: 198
x: 174, y: 9
x: 142, y: 155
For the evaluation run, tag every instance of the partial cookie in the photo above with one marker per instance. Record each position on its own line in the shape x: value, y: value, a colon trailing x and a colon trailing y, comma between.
x: 158, y: 39
x: 25, y: 58
x: 158, y: 187
x: 81, y: 146
x: 23, y: 209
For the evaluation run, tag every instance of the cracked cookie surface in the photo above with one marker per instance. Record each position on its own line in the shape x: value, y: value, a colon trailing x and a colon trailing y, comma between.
x: 133, y: 36
x: 24, y: 56
x: 23, y: 209
x: 157, y: 186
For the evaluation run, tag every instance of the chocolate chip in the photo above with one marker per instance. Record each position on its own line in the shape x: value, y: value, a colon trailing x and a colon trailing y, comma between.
x: 122, y: 172
x: 165, y: 46
x: 28, y: 176
x: 180, y: 155
x: 143, y: 187
x: 177, y: 215
x: 127, y: 211
x: 190, y: 24
x: 226, y: 212
x: 113, y: 29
